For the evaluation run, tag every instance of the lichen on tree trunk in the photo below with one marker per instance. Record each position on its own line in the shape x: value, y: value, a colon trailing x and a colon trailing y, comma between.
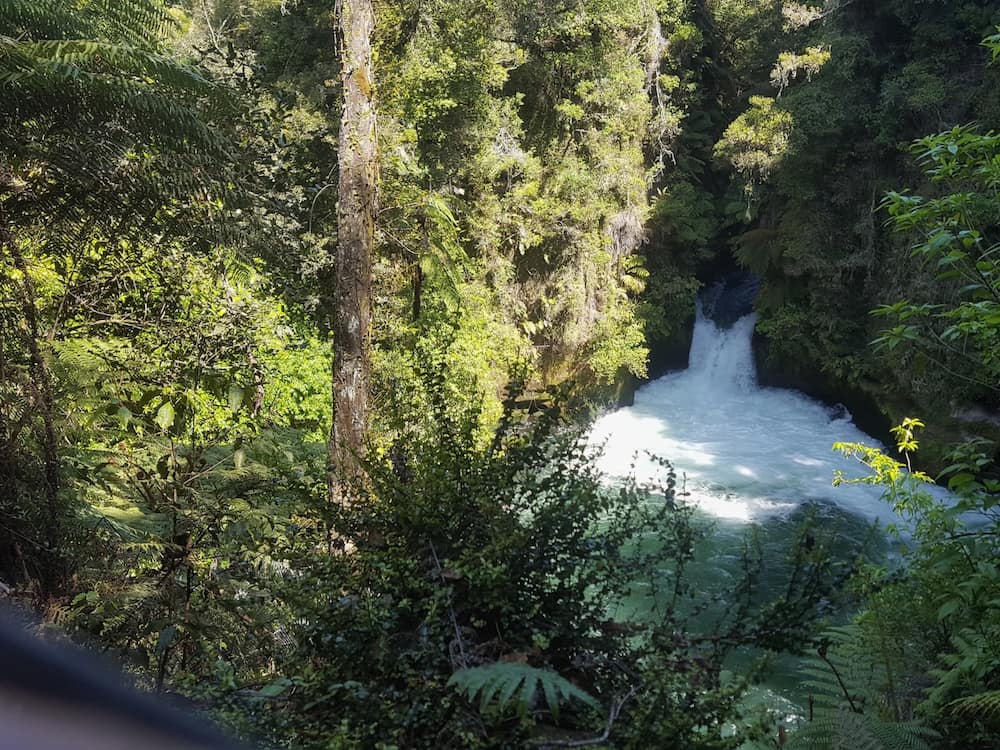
x: 356, y: 207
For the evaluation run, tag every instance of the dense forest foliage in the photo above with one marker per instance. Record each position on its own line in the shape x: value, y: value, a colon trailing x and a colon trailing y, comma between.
x: 304, y: 305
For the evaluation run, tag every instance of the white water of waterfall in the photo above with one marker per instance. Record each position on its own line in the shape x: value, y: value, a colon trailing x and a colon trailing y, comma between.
x: 746, y: 455
x: 747, y: 452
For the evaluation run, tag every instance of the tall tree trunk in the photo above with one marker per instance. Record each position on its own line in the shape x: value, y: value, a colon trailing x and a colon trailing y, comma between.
x: 357, y: 156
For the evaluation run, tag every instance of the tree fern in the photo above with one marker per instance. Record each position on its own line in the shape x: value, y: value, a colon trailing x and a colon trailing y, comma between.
x: 845, y: 674
x: 101, y: 124
x: 142, y: 22
x: 843, y: 729
x: 98, y: 60
x: 46, y: 18
x: 146, y: 93
x: 77, y: 58
x: 851, y: 688
x: 502, y: 684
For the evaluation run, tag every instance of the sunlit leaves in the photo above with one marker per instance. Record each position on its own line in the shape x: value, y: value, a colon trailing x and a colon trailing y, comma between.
x: 791, y: 64
x: 992, y: 43
x: 757, y: 140
x: 899, y: 481
x: 798, y: 15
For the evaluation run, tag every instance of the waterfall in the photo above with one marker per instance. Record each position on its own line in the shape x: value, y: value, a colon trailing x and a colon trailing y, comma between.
x: 743, y: 455
x: 746, y: 452
x: 722, y: 358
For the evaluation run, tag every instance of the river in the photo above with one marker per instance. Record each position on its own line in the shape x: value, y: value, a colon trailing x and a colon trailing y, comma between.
x: 750, y: 458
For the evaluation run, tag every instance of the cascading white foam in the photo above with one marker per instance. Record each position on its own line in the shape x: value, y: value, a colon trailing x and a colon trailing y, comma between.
x: 723, y: 358
x: 746, y: 451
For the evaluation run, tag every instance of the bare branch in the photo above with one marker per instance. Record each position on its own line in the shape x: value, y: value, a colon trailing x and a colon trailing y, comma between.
x: 616, y: 709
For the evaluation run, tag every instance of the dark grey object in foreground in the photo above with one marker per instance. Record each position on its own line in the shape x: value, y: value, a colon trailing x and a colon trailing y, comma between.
x: 56, y: 697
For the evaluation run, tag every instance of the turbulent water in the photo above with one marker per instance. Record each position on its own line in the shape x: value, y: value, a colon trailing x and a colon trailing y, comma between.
x: 746, y: 456
x: 746, y: 452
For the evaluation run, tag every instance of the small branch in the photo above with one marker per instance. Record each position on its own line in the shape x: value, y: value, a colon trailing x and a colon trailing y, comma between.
x: 958, y: 375
x: 312, y: 206
x: 843, y: 688
x: 616, y: 709
x: 451, y: 612
x: 953, y: 537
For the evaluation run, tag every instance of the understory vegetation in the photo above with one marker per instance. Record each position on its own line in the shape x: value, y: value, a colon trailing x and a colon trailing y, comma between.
x: 326, y: 474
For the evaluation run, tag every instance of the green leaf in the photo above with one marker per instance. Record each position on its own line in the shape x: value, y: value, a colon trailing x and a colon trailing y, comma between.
x: 275, y: 688
x: 167, y: 636
x: 551, y: 698
x: 237, y: 396
x: 165, y: 416
x: 948, y: 608
x: 959, y: 480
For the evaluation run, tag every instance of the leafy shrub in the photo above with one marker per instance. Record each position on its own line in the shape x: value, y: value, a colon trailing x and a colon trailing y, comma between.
x: 465, y: 570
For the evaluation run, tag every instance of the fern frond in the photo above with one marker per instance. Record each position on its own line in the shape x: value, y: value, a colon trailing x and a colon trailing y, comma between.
x: 141, y: 22
x: 101, y: 124
x: 72, y: 58
x: 502, y: 684
x: 846, y: 730
x: 847, y: 682
x: 901, y: 735
x: 853, y: 733
x: 51, y: 19
x: 149, y: 95
x: 983, y: 704
x: 138, y: 22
